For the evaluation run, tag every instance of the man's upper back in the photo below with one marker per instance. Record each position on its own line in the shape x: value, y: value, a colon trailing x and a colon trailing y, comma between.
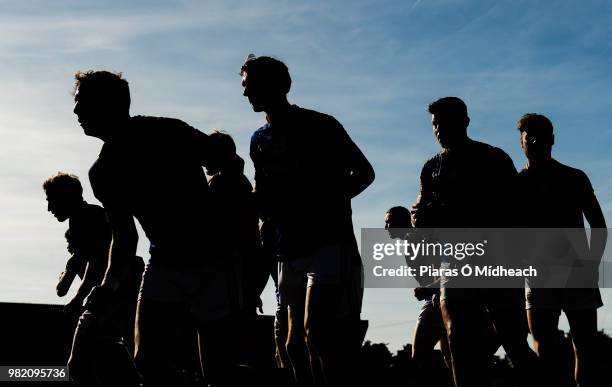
x: 153, y: 170
x: 554, y: 196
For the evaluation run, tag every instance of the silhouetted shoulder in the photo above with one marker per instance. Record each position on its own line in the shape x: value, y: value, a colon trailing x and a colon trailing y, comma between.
x: 315, y: 115
x: 573, y: 178
x: 95, y: 211
x: 575, y: 173
x: 431, y: 164
x: 152, y: 120
x: 490, y: 150
x: 321, y: 121
x: 149, y: 125
x: 261, y: 131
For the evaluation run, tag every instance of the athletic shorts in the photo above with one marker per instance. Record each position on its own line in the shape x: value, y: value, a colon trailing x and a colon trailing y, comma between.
x: 566, y: 299
x: 213, y: 292
x: 334, y: 264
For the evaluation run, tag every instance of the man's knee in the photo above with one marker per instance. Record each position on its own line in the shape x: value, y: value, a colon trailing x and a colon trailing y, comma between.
x: 74, y: 368
x: 420, y: 356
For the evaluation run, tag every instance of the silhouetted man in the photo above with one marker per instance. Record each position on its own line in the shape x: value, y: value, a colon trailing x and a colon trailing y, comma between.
x: 307, y: 170
x: 234, y: 206
x: 556, y: 195
x: 150, y: 168
x: 429, y: 329
x: 468, y: 184
x: 105, y: 341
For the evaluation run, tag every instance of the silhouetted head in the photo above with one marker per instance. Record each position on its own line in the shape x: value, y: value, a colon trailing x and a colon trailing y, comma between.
x: 537, y: 136
x: 64, y: 194
x: 266, y: 82
x: 222, y: 152
x: 101, y: 101
x: 396, y: 219
x: 449, y: 120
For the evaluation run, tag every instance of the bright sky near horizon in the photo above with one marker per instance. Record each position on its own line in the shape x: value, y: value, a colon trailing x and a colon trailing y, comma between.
x: 373, y: 65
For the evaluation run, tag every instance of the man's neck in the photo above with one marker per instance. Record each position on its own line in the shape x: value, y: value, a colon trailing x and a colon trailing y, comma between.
x: 539, y: 163
x: 77, y: 208
x: 278, y: 113
x: 458, y: 145
x: 116, y: 129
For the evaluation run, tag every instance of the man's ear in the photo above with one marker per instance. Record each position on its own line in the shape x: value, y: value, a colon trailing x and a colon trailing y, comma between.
x: 467, y: 122
x: 552, y: 139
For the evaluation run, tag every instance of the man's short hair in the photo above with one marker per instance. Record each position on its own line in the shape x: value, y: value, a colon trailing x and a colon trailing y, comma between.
x: 222, y: 144
x: 106, y: 85
x: 271, y: 71
x: 401, y: 216
x: 63, y: 185
x: 448, y: 106
x: 535, y: 124
x: 399, y: 211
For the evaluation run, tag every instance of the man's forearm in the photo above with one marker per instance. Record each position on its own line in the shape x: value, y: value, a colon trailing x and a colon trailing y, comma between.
x: 599, y: 238
x: 118, y: 262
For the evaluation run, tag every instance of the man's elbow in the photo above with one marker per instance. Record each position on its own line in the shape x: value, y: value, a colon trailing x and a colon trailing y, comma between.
x: 369, y: 176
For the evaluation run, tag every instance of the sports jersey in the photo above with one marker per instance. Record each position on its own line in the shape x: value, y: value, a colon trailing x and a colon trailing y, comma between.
x: 302, y: 167
x: 152, y: 169
x: 466, y: 187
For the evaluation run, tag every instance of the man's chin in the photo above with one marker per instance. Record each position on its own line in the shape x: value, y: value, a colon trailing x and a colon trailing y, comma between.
x: 89, y: 131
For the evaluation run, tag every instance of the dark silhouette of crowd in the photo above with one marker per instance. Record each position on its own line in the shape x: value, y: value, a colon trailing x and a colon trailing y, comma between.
x: 215, y: 242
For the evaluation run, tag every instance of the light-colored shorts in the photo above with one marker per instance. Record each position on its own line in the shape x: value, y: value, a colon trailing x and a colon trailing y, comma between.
x: 335, y: 264
x: 213, y: 291
x: 566, y: 299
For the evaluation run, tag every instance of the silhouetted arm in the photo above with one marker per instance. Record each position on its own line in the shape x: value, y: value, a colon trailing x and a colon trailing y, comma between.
x: 419, y: 210
x: 361, y: 172
x: 507, y: 211
x: 259, y: 182
x: 93, y: 274
x: 594, y: 215
x: 108, y: 189
x: 123, y: 245
x: 74, y: 267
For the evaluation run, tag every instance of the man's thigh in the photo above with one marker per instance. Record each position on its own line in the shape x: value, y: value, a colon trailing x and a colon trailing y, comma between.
x: 466, y: 322
x: 583, y: 326
x: 543, y: 323
x: 334, y: 282
x: 429, y: 329
x: 159, y: 324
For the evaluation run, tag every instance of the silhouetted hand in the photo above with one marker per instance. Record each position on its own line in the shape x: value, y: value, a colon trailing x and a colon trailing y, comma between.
x: 259, y: 305
x: 99, y: 298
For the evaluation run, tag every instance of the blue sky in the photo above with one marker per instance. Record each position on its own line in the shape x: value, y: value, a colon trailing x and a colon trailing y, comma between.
x: 373, y: 65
